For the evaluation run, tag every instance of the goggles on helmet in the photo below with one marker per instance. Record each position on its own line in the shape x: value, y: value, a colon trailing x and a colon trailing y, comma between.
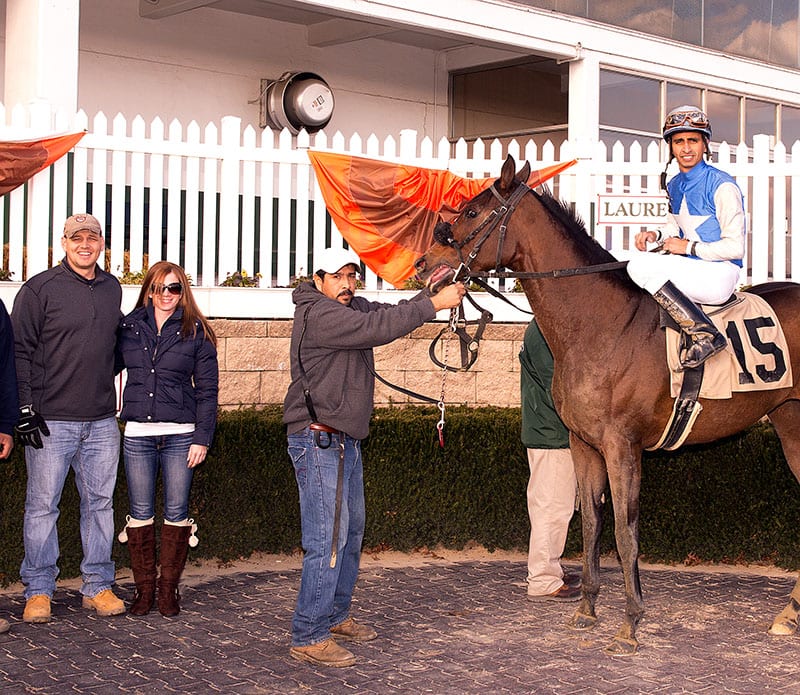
x: 686, y: 118
x: 695, y: 119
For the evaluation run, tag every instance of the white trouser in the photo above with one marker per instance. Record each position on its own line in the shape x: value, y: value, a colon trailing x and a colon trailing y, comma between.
x: 704, y: 282
x: 551, y: 502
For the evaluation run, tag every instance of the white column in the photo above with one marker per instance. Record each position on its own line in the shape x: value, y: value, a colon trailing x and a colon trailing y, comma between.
x: 584, y: 128
x: 584, y: 99
x: 41, y: 60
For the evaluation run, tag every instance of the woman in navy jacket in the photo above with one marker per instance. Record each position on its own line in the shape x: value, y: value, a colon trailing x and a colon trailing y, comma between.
x: 170, y: 411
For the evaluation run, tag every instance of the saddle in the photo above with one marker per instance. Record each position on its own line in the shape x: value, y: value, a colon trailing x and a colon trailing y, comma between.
x: 756, y: 358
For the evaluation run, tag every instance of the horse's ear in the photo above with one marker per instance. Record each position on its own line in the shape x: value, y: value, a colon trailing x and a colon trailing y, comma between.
x: 507, y: 173
x: 525, y: 173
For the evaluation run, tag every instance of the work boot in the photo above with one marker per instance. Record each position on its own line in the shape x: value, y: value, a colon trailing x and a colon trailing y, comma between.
x: 105, y: 603
x: 141, y: 541
x: 786, y: 622
x: 326, y: 653
x: 174, y: 549
x: 353, y: 631
x: 704, y: 338
x: 37, y: 609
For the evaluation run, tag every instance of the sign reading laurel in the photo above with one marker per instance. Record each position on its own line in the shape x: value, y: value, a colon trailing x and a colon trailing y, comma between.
x: 632, y: 209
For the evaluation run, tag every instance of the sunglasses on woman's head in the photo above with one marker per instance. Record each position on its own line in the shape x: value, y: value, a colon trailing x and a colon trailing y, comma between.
x: 172, y: 288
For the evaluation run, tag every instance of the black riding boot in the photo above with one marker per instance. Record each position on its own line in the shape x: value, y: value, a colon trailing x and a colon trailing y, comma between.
x: 704, y: 338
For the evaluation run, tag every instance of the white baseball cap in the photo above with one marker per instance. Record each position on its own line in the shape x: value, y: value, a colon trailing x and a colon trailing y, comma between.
x: 332, y: 260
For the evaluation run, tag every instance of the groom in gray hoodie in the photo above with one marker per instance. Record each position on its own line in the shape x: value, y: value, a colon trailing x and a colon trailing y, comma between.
x: 327, y: 411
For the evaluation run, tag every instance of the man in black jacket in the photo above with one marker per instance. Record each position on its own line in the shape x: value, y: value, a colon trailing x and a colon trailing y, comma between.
x: 9, y: 405
x: 327, y: 411
x: 65, y: 324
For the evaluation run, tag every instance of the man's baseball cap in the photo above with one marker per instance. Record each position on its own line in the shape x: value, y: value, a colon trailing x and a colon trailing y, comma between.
x: 332, y: 260
x: 82, y: 223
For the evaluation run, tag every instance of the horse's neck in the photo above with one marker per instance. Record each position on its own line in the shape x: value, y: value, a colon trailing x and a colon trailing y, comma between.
x: 596, y: 310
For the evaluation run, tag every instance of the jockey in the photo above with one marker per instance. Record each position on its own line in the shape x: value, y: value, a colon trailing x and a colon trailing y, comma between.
x: 702, y: 242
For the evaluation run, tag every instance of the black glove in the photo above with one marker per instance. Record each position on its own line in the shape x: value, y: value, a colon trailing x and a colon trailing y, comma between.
x: 31, y: 427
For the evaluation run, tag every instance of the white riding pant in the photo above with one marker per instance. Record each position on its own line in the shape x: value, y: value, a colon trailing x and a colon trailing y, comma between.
x: 552, y: 489
x: 704, y: 282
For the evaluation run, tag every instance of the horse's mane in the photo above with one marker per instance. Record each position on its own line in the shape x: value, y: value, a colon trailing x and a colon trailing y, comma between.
x: 566, y: 215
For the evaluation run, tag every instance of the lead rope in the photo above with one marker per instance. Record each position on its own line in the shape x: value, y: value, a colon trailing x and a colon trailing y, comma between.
x: 440, y: 404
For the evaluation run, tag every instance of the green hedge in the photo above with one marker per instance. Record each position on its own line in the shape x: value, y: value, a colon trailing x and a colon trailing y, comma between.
x: 734, y: 501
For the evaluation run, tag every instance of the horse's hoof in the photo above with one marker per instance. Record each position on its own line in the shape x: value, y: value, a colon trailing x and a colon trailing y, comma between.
x: 783, y: 627
x: 581, y: 621
x: 622, y: 647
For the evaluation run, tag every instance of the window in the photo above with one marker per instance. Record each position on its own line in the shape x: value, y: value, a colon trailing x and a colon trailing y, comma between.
x: 681, y: 95
x: 766, y: 30
x: 511, y: 99
x: 723, y: 112
x: 628, y: 102
x: 760, y: 117
x: 530, y: 99
x: 790, y: 125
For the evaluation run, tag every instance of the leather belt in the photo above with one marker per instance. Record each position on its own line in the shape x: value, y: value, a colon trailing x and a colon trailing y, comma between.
x: 319, y: 427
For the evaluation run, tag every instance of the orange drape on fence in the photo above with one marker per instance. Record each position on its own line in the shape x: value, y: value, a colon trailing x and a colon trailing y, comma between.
x: 386, y: 212
x: 21, y: 159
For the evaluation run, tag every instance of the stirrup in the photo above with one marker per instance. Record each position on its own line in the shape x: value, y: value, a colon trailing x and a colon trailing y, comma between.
x: 702, y: 350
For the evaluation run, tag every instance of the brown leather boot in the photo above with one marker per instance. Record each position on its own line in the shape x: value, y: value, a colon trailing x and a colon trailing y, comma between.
x: 142, y: 548
x: 174, y: 549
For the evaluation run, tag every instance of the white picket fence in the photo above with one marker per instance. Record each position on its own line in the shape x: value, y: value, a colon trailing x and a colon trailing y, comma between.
x: 222, y: 199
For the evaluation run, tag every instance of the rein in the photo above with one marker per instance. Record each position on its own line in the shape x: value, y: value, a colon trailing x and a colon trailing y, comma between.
x: 558, y: 273
x: 319, y: 428
x: 497, y: 219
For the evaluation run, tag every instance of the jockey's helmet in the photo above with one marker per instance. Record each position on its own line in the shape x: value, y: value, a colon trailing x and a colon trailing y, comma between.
x: 686, y: 118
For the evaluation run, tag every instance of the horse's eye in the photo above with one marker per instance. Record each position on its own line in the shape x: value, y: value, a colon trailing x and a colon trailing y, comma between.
x: 471, y: 213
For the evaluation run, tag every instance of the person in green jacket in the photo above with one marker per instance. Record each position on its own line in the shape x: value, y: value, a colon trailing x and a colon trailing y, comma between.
x: 552, y: 486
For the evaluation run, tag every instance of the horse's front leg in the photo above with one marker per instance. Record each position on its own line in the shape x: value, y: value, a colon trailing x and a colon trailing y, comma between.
x: 785, y: 622
x: 590, y: 471
x: 624, y: 464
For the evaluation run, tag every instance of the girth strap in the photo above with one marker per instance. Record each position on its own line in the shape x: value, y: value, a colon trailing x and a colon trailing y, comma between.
x: 684, y: 411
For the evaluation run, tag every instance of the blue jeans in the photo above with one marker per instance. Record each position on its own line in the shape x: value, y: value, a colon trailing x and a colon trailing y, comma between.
x: 91, y: 449
x: 326, y: 592
x: 143, y: 457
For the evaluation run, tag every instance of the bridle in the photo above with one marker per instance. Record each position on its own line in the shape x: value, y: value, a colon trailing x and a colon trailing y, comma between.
x: 496, y: 219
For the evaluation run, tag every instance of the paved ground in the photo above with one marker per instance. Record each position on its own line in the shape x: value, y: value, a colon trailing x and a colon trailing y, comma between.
x: 444, y: 627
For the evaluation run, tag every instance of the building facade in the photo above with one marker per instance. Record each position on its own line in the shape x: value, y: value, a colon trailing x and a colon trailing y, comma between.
x: 555, y: 69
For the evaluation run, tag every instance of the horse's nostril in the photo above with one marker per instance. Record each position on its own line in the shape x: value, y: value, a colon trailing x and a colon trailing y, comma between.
x: 419, y: 264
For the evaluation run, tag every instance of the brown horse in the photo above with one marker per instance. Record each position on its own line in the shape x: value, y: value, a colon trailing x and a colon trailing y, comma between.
x: 611, y: 383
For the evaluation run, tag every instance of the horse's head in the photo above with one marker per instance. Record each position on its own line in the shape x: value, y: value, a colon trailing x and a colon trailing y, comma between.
x: 461, y: 242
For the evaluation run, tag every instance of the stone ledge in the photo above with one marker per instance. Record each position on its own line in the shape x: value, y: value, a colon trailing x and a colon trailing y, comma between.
x: 255, y: 367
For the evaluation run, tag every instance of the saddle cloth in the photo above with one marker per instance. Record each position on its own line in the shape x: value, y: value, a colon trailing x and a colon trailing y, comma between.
x: 742, y: 366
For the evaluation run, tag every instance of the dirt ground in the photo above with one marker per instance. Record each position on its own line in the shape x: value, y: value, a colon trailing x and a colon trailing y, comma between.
x: 198, y: 572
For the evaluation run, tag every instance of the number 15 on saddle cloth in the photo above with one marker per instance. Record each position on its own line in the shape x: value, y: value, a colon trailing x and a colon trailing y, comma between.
x: 755, y: 359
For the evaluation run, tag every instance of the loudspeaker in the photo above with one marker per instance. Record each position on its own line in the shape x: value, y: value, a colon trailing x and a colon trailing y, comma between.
x: 297, y: 100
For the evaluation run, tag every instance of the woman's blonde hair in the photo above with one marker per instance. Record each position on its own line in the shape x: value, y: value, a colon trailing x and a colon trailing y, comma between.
x: 191, y: 312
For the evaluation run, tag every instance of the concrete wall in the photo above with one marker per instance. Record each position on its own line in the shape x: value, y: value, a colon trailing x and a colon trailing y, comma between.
x: 254, y: 365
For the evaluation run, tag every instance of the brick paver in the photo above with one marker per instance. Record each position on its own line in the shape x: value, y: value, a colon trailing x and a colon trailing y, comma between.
x: 460, y: 627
